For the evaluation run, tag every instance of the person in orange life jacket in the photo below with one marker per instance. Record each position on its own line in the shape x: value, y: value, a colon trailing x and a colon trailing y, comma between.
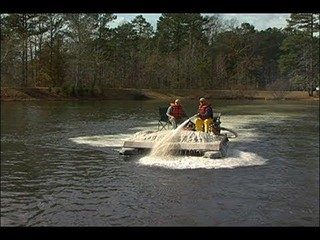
x: 176, y: 113
x: 205, y: 116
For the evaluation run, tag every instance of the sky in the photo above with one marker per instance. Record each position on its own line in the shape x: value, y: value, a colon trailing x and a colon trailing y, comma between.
x: 260, y: 21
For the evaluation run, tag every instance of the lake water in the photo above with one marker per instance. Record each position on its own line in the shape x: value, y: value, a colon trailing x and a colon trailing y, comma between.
x: 60, y: 167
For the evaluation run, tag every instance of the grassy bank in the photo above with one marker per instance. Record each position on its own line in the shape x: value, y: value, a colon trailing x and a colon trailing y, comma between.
x: 22, y: 94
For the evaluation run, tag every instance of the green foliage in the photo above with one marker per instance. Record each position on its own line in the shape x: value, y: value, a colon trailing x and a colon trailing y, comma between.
x: 299, y: 61
x: 81, y: 55
x: 305, y: 22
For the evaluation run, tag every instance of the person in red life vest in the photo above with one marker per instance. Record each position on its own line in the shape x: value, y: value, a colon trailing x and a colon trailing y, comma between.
x: 176, y: 113
x: 205, y: 116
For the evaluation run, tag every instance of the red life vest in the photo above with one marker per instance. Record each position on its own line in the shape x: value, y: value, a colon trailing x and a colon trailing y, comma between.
x: 176, y: 111
x: 202, y: 111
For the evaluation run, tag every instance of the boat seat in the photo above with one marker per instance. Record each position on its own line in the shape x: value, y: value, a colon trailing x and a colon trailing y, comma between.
x: 163, y: 122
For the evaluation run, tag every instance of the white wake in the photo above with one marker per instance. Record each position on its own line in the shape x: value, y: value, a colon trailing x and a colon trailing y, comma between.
x: 235, y: 158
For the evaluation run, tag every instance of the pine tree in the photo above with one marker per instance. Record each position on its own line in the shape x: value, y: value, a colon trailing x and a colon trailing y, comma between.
x: 304, y: 24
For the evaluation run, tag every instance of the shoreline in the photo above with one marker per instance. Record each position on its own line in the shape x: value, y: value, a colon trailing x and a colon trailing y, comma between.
x: 42, y: 93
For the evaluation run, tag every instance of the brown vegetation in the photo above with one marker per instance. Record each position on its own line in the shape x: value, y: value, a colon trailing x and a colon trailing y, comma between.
x: 81, y: 56
x: 21, y: 94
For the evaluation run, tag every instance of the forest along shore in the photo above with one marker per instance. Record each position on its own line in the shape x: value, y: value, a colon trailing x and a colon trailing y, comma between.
x: 43, y: 93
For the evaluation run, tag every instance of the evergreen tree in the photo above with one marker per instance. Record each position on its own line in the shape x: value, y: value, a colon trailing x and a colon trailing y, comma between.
x: 300, y: 60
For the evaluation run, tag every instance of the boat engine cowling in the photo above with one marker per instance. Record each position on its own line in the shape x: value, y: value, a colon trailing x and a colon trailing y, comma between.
x: 215, y: 128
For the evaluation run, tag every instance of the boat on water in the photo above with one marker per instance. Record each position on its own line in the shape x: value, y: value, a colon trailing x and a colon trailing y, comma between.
x: 182, y: 141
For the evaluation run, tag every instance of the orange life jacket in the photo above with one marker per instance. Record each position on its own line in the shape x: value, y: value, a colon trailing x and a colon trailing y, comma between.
x: 176, y: 111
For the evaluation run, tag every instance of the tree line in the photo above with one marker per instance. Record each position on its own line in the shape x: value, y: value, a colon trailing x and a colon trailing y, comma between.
x: 80, y: 54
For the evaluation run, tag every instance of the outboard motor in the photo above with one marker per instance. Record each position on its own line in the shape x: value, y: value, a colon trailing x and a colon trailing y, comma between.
x: 216, y: 123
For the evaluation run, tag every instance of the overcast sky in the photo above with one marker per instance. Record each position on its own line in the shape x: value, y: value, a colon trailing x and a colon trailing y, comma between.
x: 260, y: 21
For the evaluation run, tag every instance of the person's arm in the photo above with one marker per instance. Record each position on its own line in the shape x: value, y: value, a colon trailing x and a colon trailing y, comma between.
x: 168, y: 112
x: 209, y: 113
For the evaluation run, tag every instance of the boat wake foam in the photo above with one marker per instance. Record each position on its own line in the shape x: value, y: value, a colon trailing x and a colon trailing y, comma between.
x: 234, y: 159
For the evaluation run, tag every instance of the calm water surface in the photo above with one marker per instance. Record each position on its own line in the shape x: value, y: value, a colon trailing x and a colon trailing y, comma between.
x: 49, y: 180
